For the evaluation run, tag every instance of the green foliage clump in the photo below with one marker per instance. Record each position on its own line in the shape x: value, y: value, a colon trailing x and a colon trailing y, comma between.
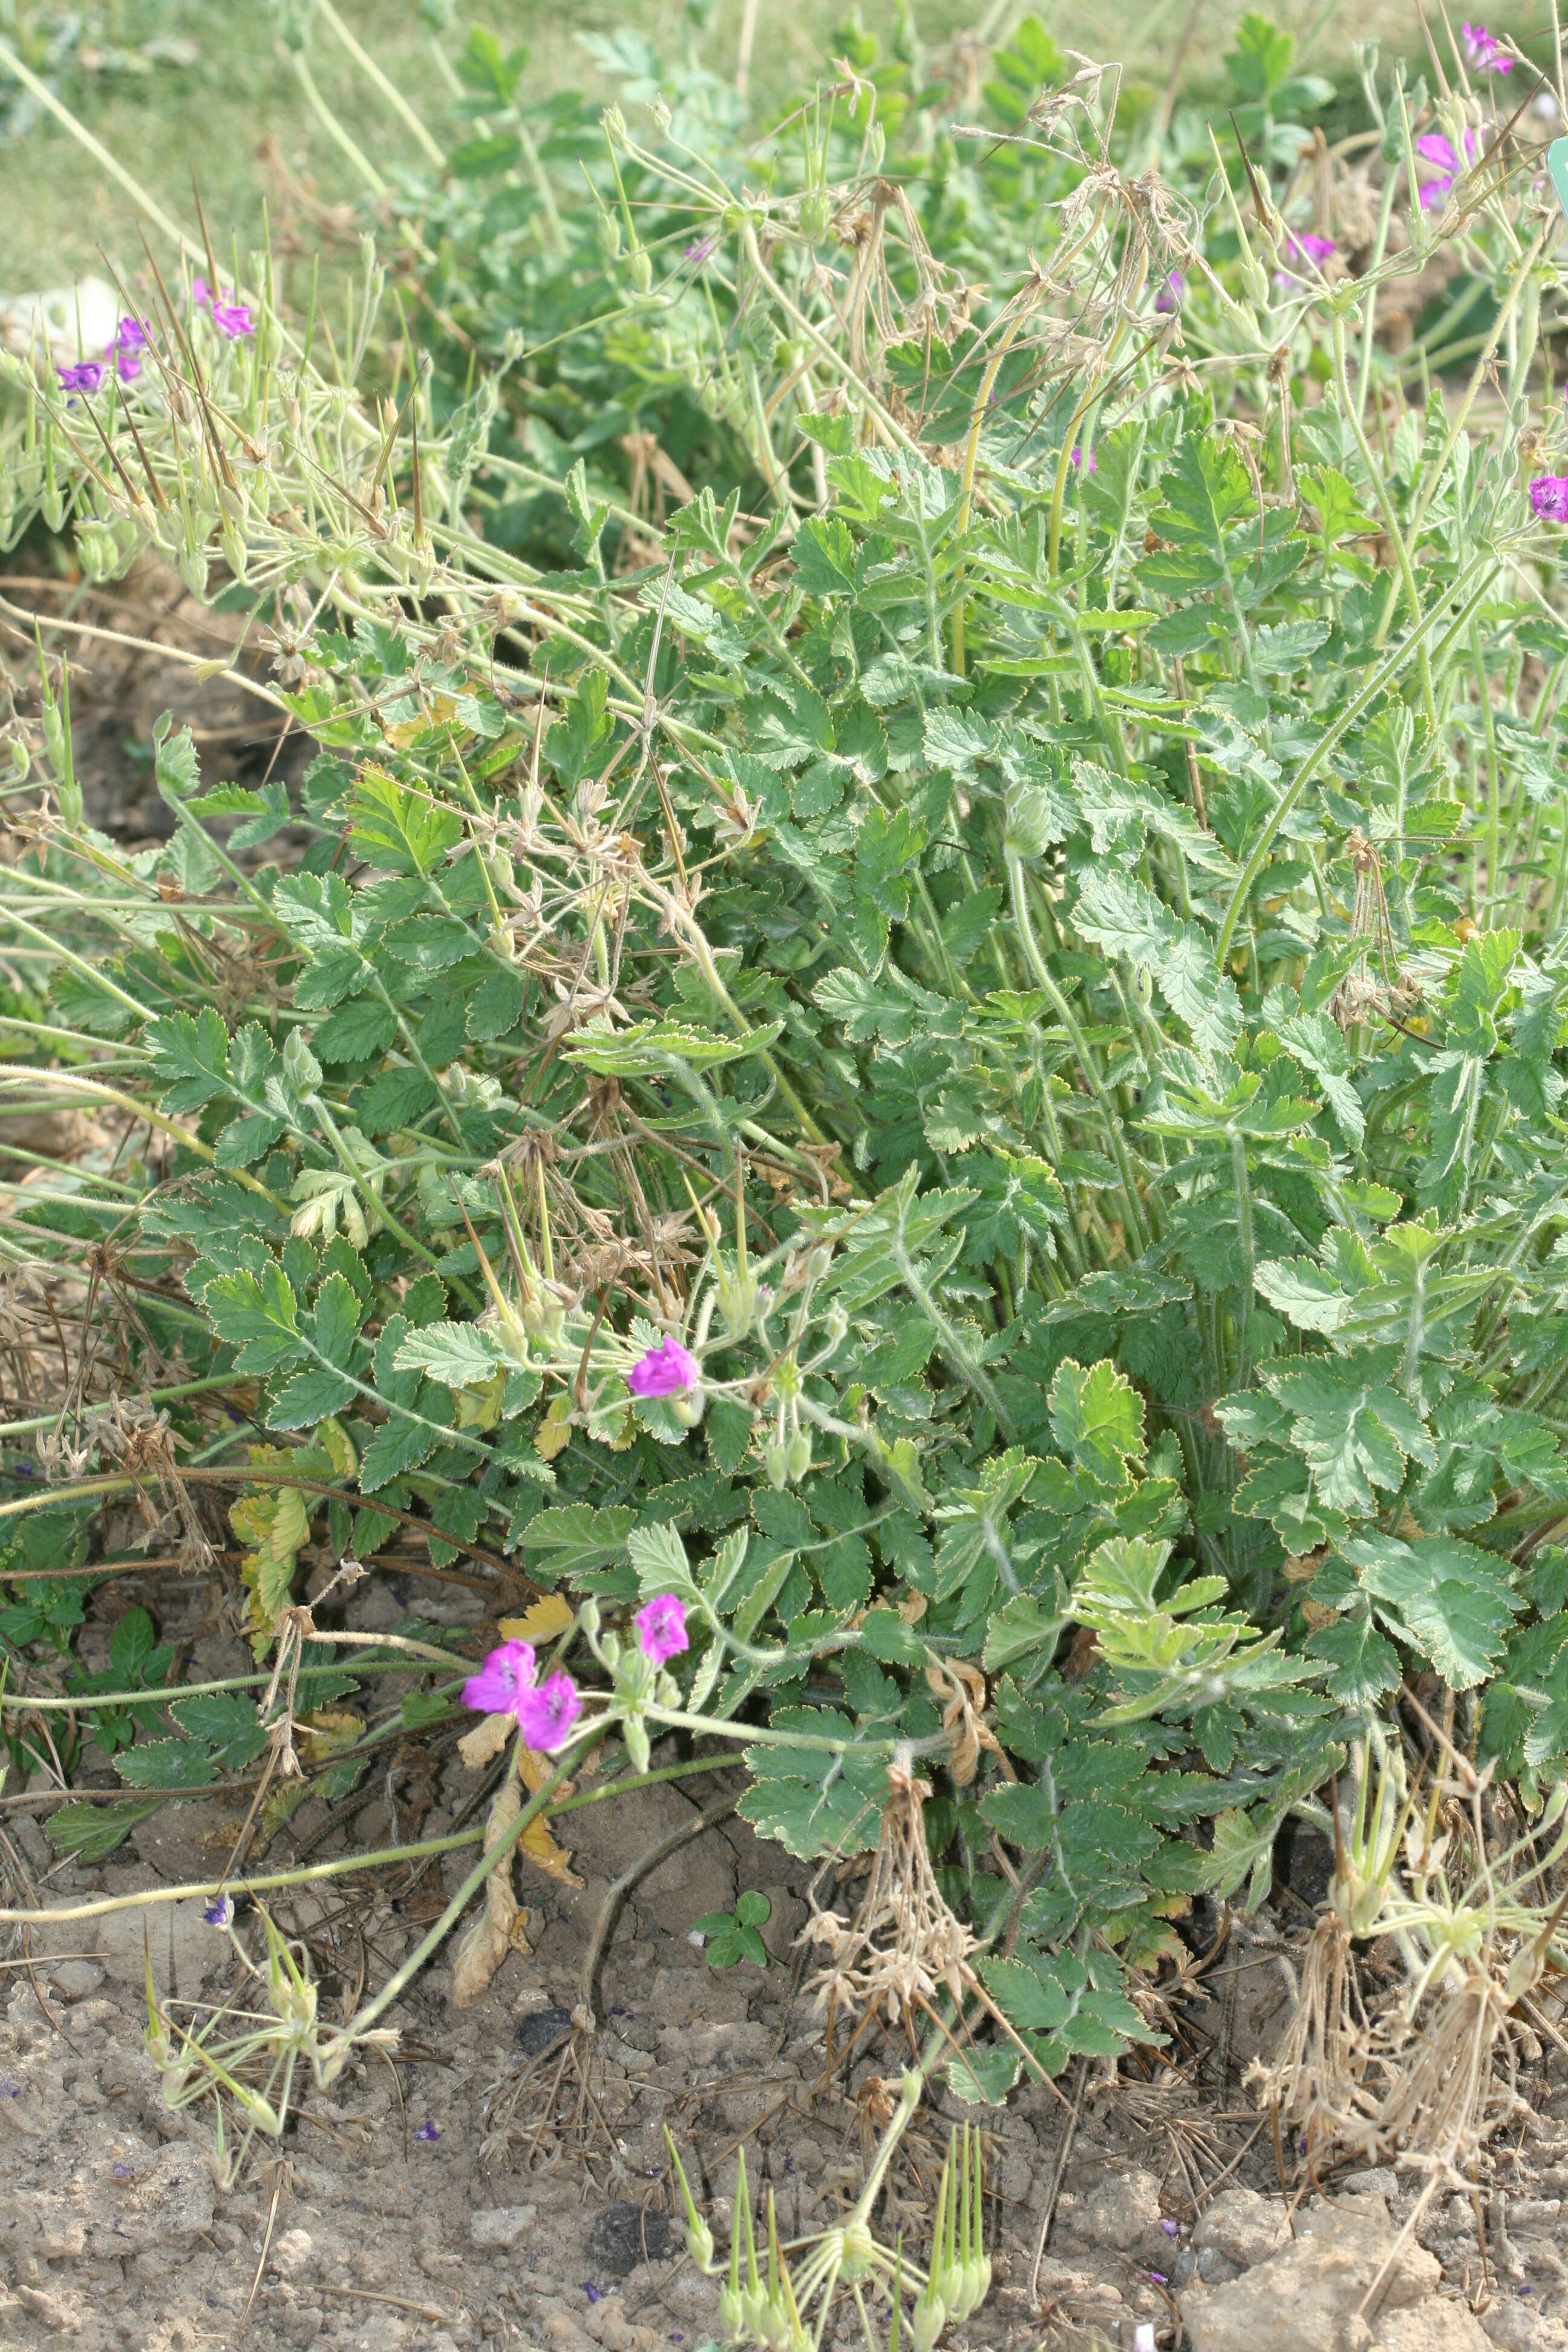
x: 931, y: 783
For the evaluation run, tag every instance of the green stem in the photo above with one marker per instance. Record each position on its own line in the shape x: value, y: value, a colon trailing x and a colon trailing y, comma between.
x: 1326, y: 744
x: 1351, y: 415
x: 307, y: 1873
x: 389, y: 90
x: 1092, y: 1079
x: 334, y: 129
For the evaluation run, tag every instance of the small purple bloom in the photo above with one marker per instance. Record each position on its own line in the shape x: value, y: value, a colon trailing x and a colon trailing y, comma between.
x: 123, y: 2172
x: 548, y: 1713
x: 218, y: 1911
x: 9, y: 2090
x: 1485, y: 50
x: 661, y: 1628
x: 667, y: 1369
x: 1169, y: 297
x: 1302, y: 245
x: 427, y: 2130
x: 201, y: 294
x: 1172, y: 2228
x: 1093, y: 465
x: 591, y: 2291
x: 500, y: 1681
x: 1157, y: 2278
x: 701, y: 250
x: 1549, y: 497
x: 86, y: 376
x: 233, y: 320
x: 130, y: 335
x: 126, y: 366
x: 1433, y: 148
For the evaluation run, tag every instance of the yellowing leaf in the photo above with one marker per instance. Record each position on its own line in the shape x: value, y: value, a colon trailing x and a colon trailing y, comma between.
x: 547, y: 1621
x: 540, y: 1848
x: 276, y: 1523
x: 480, y: 1407
x: 554, y: 1431
x: 338, y: 1446
x: 537, y: 1843
x: 327, y: 1731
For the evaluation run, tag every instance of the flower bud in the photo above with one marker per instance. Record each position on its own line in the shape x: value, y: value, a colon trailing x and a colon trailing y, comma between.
x: 642, y: 271
x: 775, y: 1461
x: 700, y: 2241
x: 737, y: 1296
x: 1142, y: 986
x: 661, y: 115
x: 798, y: 1456
x: 927, y: 2321
x: 609, y: 234
x: 816, y: 212
x: 639, y: 1747
x: 588, y: 1618
x: 511, y: 346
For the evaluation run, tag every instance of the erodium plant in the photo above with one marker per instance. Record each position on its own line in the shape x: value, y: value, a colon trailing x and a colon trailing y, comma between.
x: 911, y: 1007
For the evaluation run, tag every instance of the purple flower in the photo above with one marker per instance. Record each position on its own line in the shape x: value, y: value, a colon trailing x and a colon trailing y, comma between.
x: 1434, y: 149
x: 201, y: 294
x: 126, y: 366
x: 427, y: 2130
x: 1549, y: 497
x: 1157, y: 2277
x: 1093, y: 465
x: 233, y: 320
x: 1485, y: 50
x: 218, y: 1911
x: 130, y: 335
x: 500, y: 1681
x: 1172, y: 2228
x: 86, y: 376
x: 123, y: 2172
x: 548, y: 1713
x: 1302, y: 245
x: 1169, y: 297
x: 701, y: 250
x: 661, y: 1628
x: 667, y: 1369
x: 591, y: 2291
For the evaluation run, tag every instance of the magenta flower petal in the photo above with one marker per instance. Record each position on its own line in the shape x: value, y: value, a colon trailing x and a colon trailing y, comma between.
x: 1169, y: 297
x: 1549, y: 497
x: 667, y: 1369
x: 85, y: 376
x: 548, y: 1711
x: 1486, y: 51
x: 1077, y: 457
x: 661, y: 1628
x: 500, y: 1681
x: 233, y: 320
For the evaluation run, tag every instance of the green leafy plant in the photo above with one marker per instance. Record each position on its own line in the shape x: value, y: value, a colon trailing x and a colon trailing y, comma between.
x: 915, y: 999
x: 732, y: 1936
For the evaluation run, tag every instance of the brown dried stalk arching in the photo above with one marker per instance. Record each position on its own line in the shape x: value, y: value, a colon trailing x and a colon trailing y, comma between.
x: 904, y: 1944
x: 1359, y: 993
